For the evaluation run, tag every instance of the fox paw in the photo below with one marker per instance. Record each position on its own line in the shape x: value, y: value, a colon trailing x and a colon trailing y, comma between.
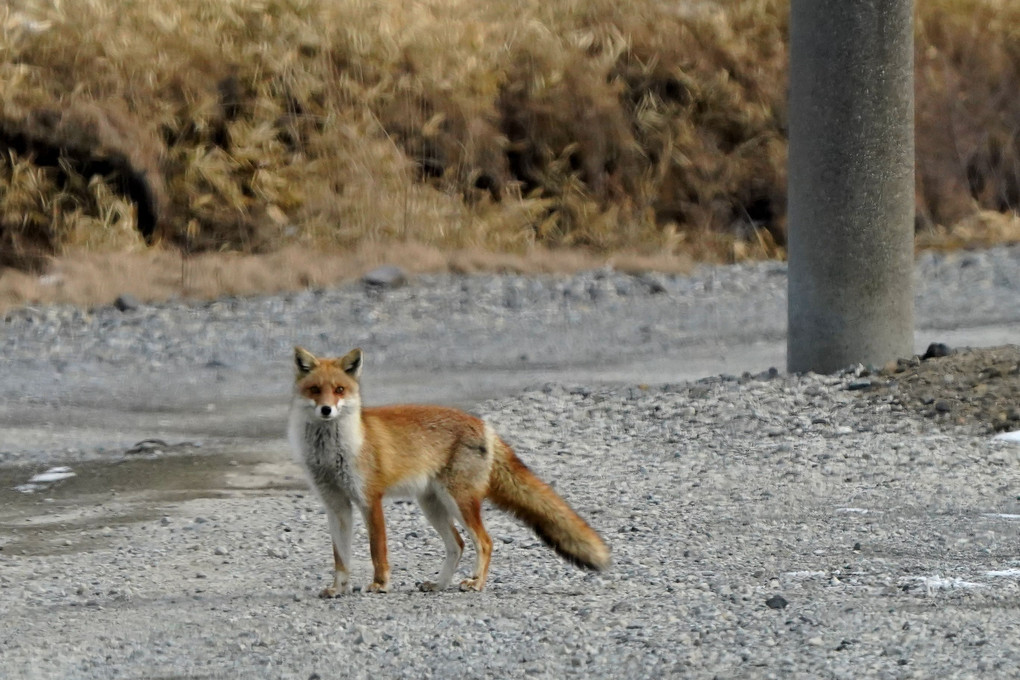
x: 339, y: 587
x: 376, y: 587
x: 472, y: 584
x: 429, y: 587
x: 331, y: 592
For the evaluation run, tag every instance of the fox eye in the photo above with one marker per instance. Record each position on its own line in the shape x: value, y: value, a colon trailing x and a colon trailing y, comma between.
x: 338, y: 390
x: 314, y: 390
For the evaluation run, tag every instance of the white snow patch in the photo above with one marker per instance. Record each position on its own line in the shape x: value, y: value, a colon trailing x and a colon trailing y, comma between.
x: 1000, y: 515
x: 52, y: 475
x: 805, y: 574
x: 1007, y: 573
x: 936, y: 583
x: 1013, y: 437
x: 860, y: 511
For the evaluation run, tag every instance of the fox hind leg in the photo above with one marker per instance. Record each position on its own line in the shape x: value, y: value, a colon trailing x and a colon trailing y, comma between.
x: 471, y: 514
x: 439, y: 517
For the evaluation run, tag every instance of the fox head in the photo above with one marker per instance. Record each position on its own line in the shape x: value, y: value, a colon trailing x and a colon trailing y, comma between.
x: 327, y: 387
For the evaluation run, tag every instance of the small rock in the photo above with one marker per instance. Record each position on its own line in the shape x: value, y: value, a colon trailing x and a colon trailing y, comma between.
x: 859, y: 385
x: 776, y: 602
x: 364, y: 636
x: 220, y: 550
x: 512, y: 299
x: 653, y: 282
x: 148, y: 446
x: 388, y: 276
x: 126, y: 303
x: 943, y: 405
x: 936, y: 350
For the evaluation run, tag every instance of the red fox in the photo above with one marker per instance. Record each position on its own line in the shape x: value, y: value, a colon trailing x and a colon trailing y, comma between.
x: 449, y: 460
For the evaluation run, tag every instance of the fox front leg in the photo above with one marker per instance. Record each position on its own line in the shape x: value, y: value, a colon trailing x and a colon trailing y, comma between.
x: 340, y: 529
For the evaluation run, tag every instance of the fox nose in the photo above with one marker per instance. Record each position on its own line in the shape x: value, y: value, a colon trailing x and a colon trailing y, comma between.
x: 326, y: 411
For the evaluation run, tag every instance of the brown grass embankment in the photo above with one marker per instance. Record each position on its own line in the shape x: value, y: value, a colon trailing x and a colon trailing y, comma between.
x: 650, y: 126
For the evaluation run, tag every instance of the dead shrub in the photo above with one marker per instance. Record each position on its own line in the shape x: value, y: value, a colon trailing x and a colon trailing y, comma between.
x: 968, y: 112
x: 85, y: 140
x: 648, y: 126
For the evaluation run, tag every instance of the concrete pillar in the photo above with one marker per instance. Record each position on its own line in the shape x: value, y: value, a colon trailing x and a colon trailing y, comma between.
x: 851, y: 183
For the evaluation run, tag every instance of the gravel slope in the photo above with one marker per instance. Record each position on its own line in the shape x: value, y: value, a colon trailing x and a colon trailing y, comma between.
x: 770, y: 526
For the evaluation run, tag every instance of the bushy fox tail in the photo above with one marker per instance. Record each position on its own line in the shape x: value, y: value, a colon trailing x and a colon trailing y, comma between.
x: 515, y: 489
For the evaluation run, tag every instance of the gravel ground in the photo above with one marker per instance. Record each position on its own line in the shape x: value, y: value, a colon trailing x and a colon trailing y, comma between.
x: 764, y: 525
x: 976, y: 389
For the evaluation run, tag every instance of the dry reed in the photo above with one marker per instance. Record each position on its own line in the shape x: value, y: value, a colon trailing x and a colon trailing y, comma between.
x: 650, y: 126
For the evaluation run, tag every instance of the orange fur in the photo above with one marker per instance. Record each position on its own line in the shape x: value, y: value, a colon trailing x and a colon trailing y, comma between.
x: 451, y: 461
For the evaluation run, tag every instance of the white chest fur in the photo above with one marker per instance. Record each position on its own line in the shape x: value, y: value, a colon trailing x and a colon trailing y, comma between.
x: 328, y: 450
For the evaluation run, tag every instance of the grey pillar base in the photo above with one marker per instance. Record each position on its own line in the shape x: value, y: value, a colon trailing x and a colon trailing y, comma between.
x: 851, y: 183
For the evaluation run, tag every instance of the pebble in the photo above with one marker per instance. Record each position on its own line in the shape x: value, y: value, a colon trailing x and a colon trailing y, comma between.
x: 126, y: 303
x: 388, y: 276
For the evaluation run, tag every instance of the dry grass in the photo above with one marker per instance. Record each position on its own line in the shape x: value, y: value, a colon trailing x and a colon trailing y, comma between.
x: 647, y: 127
x: 968, y: 111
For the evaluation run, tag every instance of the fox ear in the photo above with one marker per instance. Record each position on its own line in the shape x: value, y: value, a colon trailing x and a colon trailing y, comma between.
x: 305, y: 360
x: 351, y: 363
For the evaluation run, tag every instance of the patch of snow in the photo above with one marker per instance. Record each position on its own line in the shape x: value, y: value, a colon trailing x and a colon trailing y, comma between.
x: 52, y: 475
x: 805, y: 574
x: 936, y: 583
